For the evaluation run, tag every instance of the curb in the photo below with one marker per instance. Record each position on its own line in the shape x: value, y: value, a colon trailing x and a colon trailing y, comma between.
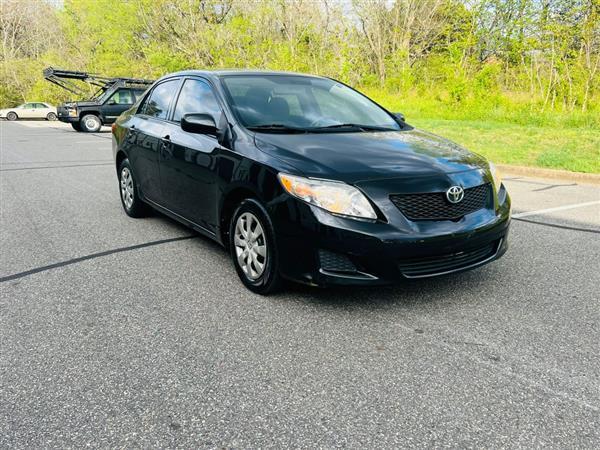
x: 577, y: 177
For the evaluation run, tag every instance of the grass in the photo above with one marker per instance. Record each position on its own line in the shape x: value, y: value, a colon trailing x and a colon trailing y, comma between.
x: 507, y: 128
x: 574, y: 149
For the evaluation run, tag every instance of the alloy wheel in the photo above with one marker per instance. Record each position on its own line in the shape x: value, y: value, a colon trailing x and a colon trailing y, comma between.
x: 250, y: 246
x: 127, y: 187
x: 91, y: 123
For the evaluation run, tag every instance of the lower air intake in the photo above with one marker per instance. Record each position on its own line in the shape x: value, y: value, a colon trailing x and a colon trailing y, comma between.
x: 438, y: 265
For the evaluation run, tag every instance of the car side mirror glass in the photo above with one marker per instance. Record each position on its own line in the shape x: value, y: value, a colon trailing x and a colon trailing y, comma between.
x: 112, y: 102
x: 399, y: 116
x: 199, y: 123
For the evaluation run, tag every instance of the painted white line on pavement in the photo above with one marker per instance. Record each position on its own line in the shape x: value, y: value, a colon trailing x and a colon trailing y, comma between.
x: 558, y: 208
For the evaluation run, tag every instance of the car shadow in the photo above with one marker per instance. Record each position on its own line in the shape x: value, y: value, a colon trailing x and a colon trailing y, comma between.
x: 406, y: 292
x: 443, y: 289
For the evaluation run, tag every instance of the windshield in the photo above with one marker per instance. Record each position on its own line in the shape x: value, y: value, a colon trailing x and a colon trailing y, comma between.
x: 99, y: 94
x: 292, y: 102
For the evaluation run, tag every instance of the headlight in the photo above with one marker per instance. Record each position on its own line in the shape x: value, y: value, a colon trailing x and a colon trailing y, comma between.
x: 495, y: 176
x: 338, y: 198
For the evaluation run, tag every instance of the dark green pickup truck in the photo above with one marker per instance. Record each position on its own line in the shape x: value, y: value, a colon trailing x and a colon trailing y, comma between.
x: 113, y: 96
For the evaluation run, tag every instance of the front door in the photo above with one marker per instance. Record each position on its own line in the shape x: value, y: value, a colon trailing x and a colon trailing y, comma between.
x: 187, y: 160
x: 28, y: 111
x: 144, y: 139
x: 120, y: 101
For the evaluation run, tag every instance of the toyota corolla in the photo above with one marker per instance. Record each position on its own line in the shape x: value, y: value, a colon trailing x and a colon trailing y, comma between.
x: 303, y: 178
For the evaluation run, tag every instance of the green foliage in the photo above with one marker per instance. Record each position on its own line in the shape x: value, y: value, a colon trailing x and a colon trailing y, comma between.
x: 503, y: 108
x: 511, y: 62
x: 574, y: 149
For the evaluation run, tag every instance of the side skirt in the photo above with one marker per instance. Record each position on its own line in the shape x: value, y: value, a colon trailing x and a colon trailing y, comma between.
x: 188, y: 223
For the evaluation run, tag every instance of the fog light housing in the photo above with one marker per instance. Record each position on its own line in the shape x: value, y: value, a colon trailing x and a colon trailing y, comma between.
x: 336, y: 262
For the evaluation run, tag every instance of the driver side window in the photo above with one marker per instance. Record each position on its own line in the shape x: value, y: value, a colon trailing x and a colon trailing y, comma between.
x: 196, y: 97
x: 122, y: 97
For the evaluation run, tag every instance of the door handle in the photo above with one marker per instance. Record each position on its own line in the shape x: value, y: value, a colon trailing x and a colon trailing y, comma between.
x: 165, y: 147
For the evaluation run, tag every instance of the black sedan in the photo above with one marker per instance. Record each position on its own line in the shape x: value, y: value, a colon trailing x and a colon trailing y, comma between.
x: 303, y: 178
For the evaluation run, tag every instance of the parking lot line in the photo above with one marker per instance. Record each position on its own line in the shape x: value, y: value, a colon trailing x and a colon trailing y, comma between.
x: 13, y: 169
x: 56, y: 162
x: 555, y: 209
x: 14, y: 276
x: 555, y: 225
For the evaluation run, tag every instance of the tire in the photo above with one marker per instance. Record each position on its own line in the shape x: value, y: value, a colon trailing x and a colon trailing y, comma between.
x: 128, y: 190
x: 51, y: 116
x: 244, y: 241
x: 90, y: 123
x: 12, y: 116
x: 76, y: 126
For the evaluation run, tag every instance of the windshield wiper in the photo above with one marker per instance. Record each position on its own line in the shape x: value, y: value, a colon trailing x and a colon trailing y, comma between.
x: 277, y: 127
x: 354, y: 125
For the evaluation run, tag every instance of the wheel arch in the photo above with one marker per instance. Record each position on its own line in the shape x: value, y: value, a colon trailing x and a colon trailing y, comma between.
x: 119, y: 158
x: 93, y: 112
x: 230, y: 201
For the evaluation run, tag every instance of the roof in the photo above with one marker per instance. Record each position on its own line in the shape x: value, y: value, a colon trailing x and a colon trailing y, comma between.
x: 229, y: 72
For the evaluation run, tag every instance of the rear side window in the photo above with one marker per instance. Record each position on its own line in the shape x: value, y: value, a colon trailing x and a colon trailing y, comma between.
x: 196, y: 97
x: 157, y: 104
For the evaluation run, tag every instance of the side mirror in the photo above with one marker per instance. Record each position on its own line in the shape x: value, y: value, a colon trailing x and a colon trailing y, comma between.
x: 199, y: 123
x: 111, y: 102
x: 399, y: 116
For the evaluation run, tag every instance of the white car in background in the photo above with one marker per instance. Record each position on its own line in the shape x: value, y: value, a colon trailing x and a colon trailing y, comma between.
x: 31, y: 110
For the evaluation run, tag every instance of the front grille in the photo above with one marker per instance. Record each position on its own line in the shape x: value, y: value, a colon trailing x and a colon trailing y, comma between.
x: 438, y: 265
x: 62, y: 111
x: 435, y: 205
x: 335, y: 262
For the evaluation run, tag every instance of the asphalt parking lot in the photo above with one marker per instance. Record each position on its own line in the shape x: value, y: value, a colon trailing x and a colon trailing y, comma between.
x: 117, y: 332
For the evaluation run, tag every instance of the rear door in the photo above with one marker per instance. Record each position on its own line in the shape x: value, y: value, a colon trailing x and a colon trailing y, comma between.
x: 41, y: 110
x: 188, y: 160
x: 144, y: 138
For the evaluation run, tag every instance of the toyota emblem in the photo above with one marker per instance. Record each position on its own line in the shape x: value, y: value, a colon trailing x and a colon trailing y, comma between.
x: 455, y: 194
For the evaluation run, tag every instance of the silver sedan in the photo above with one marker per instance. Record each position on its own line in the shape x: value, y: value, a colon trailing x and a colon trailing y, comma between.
x: 31, y: 110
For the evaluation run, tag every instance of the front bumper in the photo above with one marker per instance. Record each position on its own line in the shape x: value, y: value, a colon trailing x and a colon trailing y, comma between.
x: 69, y: 119
x: 67, y: 115
x: 318, y: 248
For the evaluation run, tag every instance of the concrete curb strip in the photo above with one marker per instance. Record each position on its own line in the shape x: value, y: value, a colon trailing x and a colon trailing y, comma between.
x: 565, y: 175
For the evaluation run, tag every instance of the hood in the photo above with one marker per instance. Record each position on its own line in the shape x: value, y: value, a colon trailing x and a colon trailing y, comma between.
x: 354, y: 157
x: 79, y: 103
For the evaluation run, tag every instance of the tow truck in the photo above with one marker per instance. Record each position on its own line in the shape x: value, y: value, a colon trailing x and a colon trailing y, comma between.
x: 111, y: 98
